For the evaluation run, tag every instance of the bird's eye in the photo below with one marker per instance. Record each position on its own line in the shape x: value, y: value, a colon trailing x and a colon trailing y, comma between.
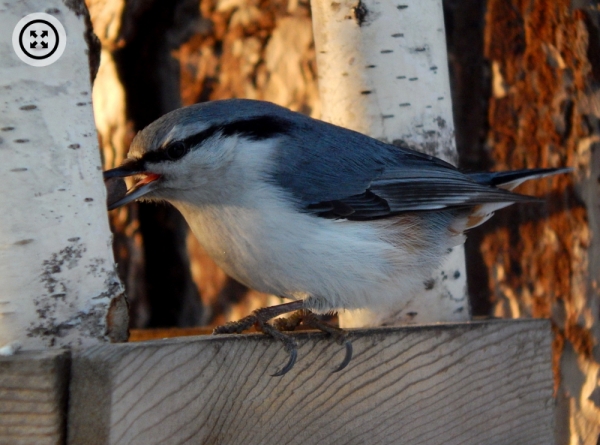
x: 176, y: 150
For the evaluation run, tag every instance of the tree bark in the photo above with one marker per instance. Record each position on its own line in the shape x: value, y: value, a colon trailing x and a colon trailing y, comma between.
x: 543, y: 259
x: 383, y: 71
x: 58, y: 285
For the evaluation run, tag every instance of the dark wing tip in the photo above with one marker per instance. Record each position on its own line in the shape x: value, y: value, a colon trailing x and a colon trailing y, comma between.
x: 497, y: 179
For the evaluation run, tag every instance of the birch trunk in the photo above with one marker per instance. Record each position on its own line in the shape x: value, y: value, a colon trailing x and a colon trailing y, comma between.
x: 383, y: 71
x: 58, y: 286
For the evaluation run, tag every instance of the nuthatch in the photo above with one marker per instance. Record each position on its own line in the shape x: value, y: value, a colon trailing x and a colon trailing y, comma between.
x: 296, y: 207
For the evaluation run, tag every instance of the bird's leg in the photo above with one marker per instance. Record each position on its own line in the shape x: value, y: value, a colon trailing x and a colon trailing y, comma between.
x: 311, y: 320
x: 260, y: 318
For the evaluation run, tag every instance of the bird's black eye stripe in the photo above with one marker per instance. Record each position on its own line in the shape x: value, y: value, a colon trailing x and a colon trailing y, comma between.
x: 195, y: 140
x: 256, y: 128
x: 172, y: 152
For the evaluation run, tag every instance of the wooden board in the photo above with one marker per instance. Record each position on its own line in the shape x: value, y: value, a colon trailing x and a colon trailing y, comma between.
x: 33, y: 397
x: 466, y: 383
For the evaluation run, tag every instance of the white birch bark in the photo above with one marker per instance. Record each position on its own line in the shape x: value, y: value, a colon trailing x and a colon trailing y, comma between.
x: 58, y: 286
x: 383, y: 71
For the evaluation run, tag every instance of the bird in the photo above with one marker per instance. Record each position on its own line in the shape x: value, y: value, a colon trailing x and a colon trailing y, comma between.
x: 324, y: 216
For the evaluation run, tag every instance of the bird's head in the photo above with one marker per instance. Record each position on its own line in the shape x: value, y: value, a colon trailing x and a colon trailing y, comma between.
x: 192, y: 149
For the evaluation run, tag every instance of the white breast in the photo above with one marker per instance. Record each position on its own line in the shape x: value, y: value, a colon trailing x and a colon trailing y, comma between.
x: 290, y: 254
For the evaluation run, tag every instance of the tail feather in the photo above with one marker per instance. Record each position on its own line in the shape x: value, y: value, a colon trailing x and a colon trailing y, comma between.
x: 505, y: 180
x: 511, y: 179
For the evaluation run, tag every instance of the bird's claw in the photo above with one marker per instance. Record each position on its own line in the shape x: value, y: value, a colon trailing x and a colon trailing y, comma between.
x: 290, y: 364
x: 347, y: 357
x: 338, y: 334
x: 289, y: 343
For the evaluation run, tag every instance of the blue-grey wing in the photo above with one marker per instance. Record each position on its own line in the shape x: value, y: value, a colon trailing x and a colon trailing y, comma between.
x: 337, y: 173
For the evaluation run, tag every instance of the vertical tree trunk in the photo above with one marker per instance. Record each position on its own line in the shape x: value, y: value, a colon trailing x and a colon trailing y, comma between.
x: 383, y: 71
x: 545, y: 112
x: 58, y: 286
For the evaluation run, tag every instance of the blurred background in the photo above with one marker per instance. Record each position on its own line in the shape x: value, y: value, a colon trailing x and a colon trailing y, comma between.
x: 525, y: 82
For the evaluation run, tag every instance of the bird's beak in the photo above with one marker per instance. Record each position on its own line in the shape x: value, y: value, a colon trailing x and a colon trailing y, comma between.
x: 145, y: 184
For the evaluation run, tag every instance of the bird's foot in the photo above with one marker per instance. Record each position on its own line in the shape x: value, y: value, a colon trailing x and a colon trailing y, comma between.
x: 290, y: 322
x: 308, y: 319
x: 260, y: 318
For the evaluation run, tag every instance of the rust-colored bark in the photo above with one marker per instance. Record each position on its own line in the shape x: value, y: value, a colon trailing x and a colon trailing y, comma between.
x: 539, y: 256
x: 533, y: 123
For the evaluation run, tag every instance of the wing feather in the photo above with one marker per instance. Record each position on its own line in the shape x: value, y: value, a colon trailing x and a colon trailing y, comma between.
x: 333, y: 172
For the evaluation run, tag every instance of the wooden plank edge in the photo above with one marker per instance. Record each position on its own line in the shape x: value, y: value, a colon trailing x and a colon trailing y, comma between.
x: 34, y: 396
x: 97, y: 378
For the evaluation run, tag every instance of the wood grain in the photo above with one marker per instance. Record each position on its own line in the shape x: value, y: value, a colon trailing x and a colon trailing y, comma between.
x: 466, y: 383
x: 33, y: 397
